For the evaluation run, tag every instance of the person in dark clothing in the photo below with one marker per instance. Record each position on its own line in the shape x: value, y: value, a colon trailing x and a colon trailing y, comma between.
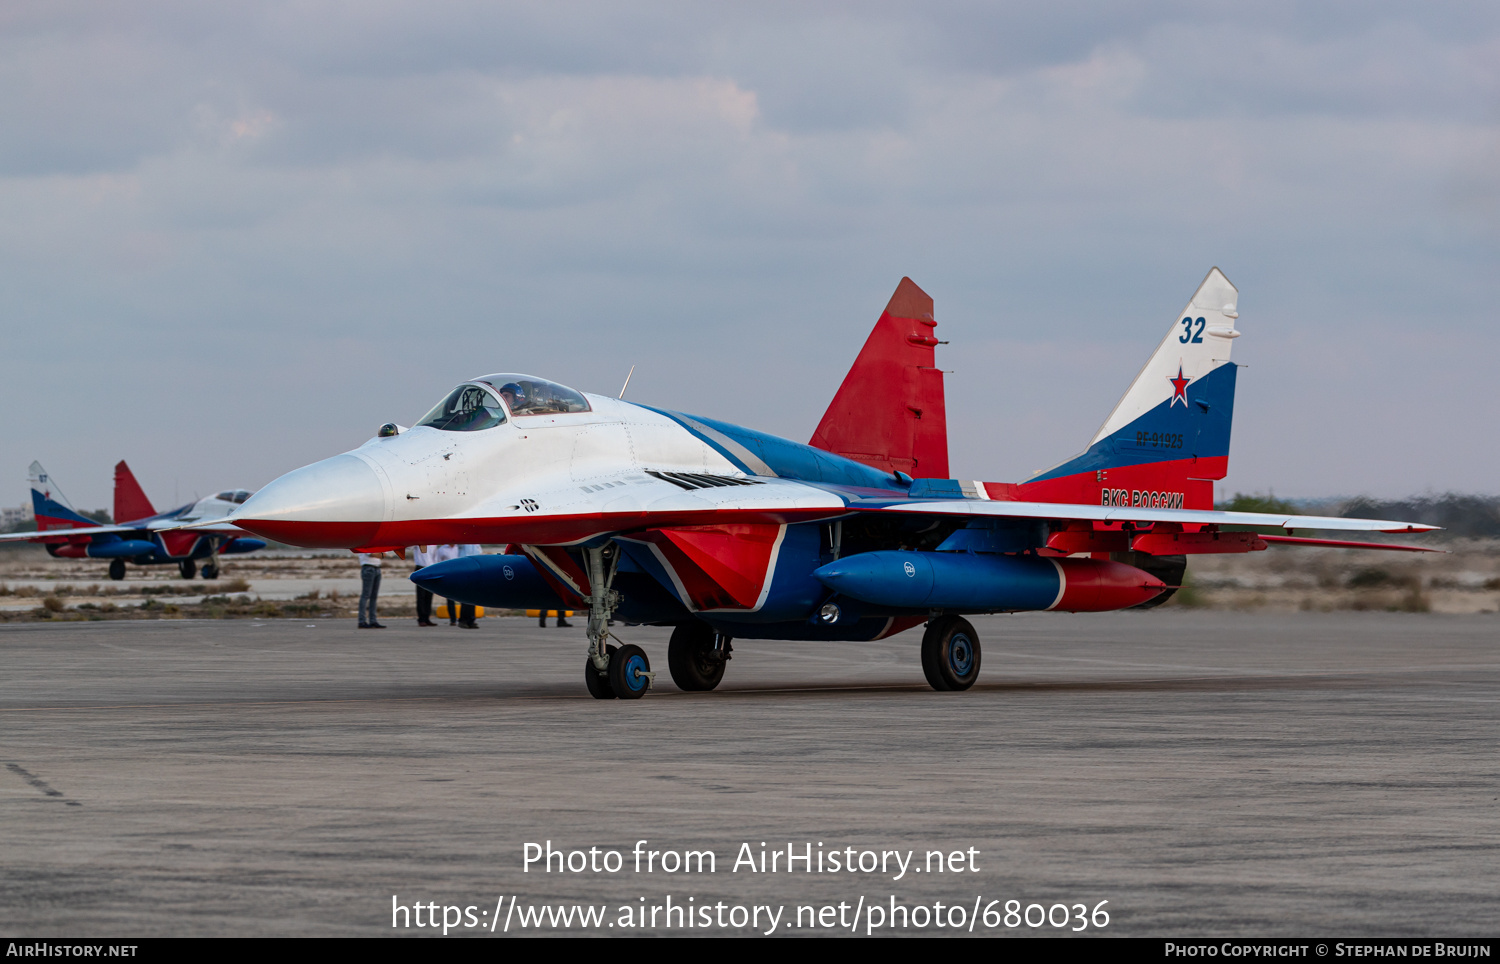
x: 466, y: 614
x: 424, y: 556
x: 369, y: 581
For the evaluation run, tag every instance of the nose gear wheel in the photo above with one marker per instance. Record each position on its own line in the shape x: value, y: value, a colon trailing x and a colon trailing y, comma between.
x: 629, y: 672
x: 597, y: 682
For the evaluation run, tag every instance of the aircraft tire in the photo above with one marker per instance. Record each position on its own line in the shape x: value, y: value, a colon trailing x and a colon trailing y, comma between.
x: 626, y: 667
x: 598, y: 684
x: 210, y: 572
x: 188, y: 568
x: 950, y: 654
x: 691, y: 658
x: 117, y: 569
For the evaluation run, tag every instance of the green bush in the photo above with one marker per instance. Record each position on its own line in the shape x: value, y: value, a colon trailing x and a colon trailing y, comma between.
x: 1370, y: 577
x: 1258, y: 503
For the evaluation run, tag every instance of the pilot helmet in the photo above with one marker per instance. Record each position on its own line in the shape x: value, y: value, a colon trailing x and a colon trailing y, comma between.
x: 514, y: 395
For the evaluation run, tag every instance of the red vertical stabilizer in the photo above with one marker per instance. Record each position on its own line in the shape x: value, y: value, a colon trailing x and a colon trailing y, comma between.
x: 890, y: 411
x: 130, y: 501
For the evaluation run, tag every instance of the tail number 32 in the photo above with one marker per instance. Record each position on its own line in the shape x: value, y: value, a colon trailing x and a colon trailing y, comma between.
x: 1192, y: 331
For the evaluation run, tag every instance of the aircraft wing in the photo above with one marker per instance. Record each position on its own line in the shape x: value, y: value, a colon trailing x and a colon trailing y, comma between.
x: 66, y: 533
x: 983, y: 508
x: 207, y: 525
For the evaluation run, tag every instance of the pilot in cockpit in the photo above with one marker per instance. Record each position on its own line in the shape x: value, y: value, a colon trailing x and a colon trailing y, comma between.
x: 514, y: 395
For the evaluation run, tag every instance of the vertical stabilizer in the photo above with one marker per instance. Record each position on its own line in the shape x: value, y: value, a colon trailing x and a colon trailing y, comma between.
x: 1167, y: 439
x: 890, y: 412
x: 130, y: 499
x: 49, y: 505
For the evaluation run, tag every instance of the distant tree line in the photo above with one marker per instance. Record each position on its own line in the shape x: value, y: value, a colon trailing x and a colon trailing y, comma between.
x: 1472, y: 516
x: 100, y: 516
x: 1260, y: 503
x: 1475, y: 516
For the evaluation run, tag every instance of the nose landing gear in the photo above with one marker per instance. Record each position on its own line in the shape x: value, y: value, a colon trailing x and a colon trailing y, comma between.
x: 611, y: 672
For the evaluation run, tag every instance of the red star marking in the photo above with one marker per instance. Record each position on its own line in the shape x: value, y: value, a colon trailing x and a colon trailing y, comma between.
x: 1179, y: 388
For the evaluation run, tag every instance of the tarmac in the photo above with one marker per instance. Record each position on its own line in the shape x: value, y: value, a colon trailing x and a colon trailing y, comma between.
x: 1206, y: 774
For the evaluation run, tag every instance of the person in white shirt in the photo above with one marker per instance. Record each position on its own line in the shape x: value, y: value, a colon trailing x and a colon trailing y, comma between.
x: 443, y: 554
x: 423, y: 556
x: 369, y: 589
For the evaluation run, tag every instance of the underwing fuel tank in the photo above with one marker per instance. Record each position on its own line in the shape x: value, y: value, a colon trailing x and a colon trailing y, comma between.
x: 120, y: 549
x: 500, y: 582
x: 983, y: 583
x: 514, y: 582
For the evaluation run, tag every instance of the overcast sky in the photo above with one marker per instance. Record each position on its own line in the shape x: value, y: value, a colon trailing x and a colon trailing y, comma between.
x: 237, y: 238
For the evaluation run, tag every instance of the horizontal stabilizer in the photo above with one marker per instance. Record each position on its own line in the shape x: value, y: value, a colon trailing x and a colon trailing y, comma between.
x: 1344, y: 544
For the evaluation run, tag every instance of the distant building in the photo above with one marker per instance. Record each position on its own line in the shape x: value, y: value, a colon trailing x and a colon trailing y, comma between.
x: 13, y: 517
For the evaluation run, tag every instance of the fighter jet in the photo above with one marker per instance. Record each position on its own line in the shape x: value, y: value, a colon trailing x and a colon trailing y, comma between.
x: 726, y: 533
x: 140, y: 535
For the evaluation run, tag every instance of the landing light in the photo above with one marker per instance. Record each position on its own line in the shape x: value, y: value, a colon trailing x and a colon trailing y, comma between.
x: 829, y: 613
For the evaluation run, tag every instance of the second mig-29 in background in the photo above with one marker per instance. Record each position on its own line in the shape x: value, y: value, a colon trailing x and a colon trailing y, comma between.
x: 725, y: 533
x: 139, y: 535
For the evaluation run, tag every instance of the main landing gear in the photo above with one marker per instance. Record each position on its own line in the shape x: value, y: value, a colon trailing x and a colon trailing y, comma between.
x: 188, y: 568
x: 117, y: 569
x: 950, y: 653
x: 696, y: 656
x: 611, y: 672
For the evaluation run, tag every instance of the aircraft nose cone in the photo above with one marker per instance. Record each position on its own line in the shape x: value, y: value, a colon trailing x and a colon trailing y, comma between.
x: 337, y: 503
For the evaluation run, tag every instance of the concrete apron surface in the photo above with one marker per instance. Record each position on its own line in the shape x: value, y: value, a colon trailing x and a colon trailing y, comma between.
x: 1207, y: 774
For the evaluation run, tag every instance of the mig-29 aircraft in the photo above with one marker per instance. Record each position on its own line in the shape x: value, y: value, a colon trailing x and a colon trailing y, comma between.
x: 725, y: 533
x: 140, y: 535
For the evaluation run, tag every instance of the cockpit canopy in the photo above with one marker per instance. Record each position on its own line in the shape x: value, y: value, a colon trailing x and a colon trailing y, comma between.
x: 478, y: 404
x: 468, y: 408
x: 237, y: 496
x: 529, y: 395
